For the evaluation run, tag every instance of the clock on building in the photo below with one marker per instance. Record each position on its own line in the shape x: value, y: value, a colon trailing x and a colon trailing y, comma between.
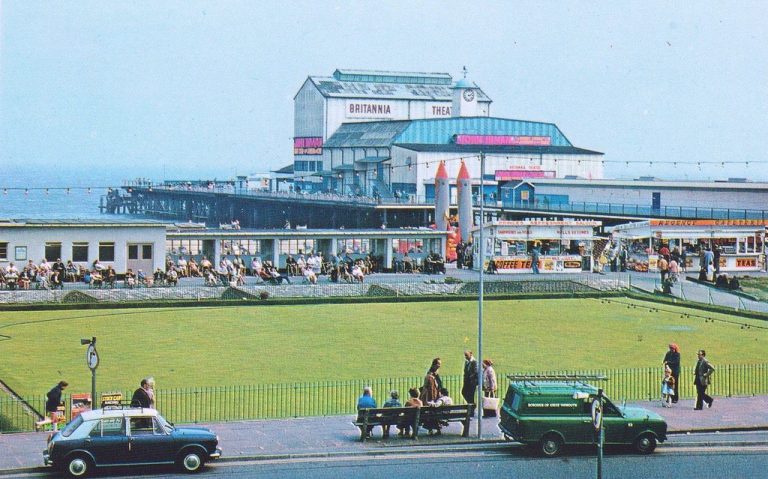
x: 469, y: 95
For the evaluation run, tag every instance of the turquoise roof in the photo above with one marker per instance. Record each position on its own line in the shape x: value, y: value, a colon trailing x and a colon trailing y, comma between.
x: 441, y: 131
x: 464, y: 83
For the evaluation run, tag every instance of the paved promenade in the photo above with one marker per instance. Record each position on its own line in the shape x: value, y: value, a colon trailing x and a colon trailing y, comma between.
x: 335, y: 435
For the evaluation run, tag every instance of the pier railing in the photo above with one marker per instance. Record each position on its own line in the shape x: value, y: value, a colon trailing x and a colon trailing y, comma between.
x: 330, y: 398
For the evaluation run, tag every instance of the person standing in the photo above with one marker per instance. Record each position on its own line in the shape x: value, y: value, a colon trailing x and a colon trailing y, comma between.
x: 489, y: 386
x: 141, y: 396
x: 53, y: 401
x: 430, y: 390
x: 151, y: 391
x: 469, y: 388
x: 535, y: 255
x: 702, y: 378
x: 663, y: 265
x: 672, y: 359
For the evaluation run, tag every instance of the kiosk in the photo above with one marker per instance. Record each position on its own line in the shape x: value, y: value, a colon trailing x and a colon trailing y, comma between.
x: 741, y: 243
x: 564, y: 246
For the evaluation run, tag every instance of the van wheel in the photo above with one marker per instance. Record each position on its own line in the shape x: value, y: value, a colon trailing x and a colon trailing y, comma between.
x: 78, y: 466
x: 190, y: 461
x: 551, y: 445
x: 645, y: 444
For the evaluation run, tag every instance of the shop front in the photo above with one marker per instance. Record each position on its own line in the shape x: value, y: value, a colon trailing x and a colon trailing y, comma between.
x: 559, y: 246
x: 739, y: 244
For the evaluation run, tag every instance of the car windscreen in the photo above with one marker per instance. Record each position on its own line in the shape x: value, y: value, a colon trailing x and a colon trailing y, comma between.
x: 70, y: 428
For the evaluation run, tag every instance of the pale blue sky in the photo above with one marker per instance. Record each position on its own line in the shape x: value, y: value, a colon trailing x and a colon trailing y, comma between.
x: 205, y: 88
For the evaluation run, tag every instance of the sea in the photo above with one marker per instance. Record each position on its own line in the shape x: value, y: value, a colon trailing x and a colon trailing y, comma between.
x: 32, y: 195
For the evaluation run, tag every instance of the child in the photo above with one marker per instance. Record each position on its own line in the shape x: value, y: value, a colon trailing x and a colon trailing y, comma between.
x: 667, y: 387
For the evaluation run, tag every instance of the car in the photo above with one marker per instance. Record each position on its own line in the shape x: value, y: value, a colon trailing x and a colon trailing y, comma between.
x: 550, y: 412
x: 127, y: 436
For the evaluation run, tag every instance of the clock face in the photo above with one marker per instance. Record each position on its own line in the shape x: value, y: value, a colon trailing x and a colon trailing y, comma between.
x: 469, y: 95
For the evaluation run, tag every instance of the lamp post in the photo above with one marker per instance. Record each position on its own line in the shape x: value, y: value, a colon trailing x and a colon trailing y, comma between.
x: 481, y: 252
x: 92, y: 360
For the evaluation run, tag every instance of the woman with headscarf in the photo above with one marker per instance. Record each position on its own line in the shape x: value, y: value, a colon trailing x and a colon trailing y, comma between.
x: 672, y: 359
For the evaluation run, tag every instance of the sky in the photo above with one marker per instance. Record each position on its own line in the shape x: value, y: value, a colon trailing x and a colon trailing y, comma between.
x: 204, y: 89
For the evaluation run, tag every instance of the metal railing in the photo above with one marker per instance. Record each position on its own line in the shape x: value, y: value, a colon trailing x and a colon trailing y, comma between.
x: 644, y: 211
x: 376, y: 285
x: 330, y: 398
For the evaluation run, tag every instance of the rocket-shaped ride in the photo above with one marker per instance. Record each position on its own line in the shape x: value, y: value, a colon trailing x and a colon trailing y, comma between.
x: 464, y: 195
x: 442, y: 198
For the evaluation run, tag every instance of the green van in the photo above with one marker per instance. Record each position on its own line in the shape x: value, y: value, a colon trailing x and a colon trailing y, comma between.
x: 548, y: 414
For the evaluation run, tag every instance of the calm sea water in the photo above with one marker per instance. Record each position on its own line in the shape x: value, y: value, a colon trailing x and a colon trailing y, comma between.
x: 57, y: 202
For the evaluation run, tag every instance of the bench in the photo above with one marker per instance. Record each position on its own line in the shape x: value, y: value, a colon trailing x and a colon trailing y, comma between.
x: 427, y: 416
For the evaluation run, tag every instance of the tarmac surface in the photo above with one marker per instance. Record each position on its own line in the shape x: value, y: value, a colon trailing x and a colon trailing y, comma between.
x: 336, y: 436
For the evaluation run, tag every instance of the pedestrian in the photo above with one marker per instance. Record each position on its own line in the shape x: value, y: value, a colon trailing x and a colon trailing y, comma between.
x: 663, y: 266
x: 702, y: 378
x: 393, y: 401
x: 672, y: 359
x: 366, y: 401
x: 430, y: 390
x: 469, y: 389
x: 413, y: 401
x: 667, y: 387
x: 141, y: 396
x: 151, y: 391
x: 53, y: 402
x: 489, y: 389
x: 535, y: 254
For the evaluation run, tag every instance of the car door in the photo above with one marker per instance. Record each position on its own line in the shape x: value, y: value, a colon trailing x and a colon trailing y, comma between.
x: 107, y: 441
x: 149, y: 442
x: 614, y: 424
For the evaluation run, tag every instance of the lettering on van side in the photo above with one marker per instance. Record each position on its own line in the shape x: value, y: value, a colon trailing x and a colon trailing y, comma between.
x: 548, y: 404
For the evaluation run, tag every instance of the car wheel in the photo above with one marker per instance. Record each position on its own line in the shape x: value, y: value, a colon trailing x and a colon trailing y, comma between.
x: 78, y: 466
x: 645, y: 444
x: 190, y: 461
x: 551, y: 445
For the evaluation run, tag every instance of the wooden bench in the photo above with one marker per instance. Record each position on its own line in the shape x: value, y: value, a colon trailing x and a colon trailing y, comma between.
x: 427, y: 416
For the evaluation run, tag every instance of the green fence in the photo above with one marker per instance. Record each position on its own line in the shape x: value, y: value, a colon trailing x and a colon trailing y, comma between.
x: 328, y: 398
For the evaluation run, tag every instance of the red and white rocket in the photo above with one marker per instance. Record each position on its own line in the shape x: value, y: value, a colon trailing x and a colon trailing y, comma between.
x: 442, y: 198
x: 464, y: 194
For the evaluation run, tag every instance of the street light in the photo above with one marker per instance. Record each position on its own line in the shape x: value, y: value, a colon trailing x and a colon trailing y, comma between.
x: 92, y: 361
x: 481, y: 252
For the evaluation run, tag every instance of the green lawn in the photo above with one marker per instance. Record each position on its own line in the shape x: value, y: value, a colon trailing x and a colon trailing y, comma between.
x: 756, y: 286
x: 191, y: 347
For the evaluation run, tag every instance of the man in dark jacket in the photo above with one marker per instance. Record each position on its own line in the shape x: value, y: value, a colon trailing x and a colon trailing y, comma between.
x: 702, y: 373
x: 469, y: 388
x: 141, y: 396
x: 52, y: 404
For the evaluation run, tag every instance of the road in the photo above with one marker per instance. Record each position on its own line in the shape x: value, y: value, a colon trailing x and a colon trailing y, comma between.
x: 726, y: 455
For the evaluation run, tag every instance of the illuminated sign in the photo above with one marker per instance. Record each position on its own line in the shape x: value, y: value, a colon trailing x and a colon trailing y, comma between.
x: 521, y: 174
x: 708, y: 223
x: 357, y: 109
x: 310, y: 145
x: 503, y: 140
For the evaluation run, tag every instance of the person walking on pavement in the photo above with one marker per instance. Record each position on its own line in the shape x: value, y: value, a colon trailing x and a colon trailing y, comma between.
x: 141, y: 397
x: 672, y: 359
x: 535, y: 255
x: 53, y: 401
x: 489, y: 389
x: 469, y: 388
x: 702, y: 379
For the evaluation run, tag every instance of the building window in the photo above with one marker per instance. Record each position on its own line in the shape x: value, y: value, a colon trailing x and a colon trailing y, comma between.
x: 297, y: 246
x: 21, y: 253
x: 133, y: 251
x: 106, y: 252
x: 353, y: 245
x: 146, y: 251
x: 80, y: 252
x: 240, y: 247
x: 4, y: 251
x: 184, y: 246
x: 407, y: 246
x: 52, y: 251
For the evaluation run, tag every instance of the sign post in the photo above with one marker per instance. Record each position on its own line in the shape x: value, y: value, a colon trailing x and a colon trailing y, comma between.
x: 597, y: 421
x: 92, y: 361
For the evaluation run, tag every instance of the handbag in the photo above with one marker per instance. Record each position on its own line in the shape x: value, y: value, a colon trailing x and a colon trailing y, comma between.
x: 490, y: 406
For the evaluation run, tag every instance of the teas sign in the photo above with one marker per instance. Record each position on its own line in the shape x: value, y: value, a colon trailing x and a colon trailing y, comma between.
x: 746, y: 262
